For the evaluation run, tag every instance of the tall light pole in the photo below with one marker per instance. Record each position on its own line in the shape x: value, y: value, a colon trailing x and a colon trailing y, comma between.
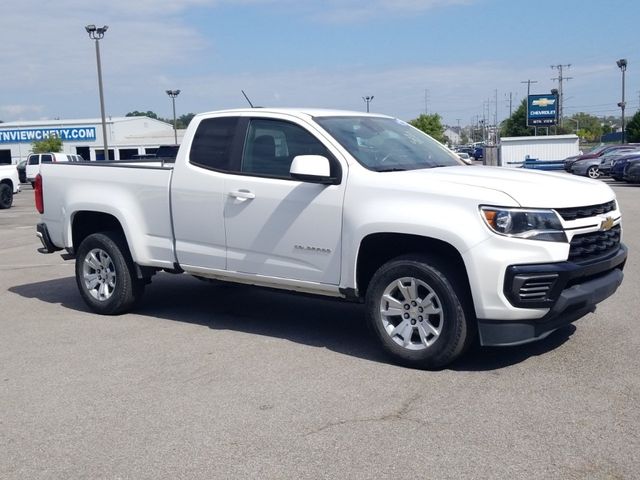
x: 622, y: 64
x: 173, y: 94
x: 367, y: 100
x: 96, y: 33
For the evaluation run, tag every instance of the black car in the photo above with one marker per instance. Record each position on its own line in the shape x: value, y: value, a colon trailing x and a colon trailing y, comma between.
x: 22, y: 171
x: 632, y: 171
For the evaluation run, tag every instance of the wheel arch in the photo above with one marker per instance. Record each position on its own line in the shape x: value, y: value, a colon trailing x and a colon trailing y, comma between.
x: 85, y: 223
x: 378, y: 248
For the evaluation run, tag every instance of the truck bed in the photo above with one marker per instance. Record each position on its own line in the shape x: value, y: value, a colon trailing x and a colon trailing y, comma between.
x: 139, y: 190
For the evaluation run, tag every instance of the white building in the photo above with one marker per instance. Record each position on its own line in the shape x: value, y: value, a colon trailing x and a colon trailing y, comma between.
x: 514, y: 150
x: 126, y: 137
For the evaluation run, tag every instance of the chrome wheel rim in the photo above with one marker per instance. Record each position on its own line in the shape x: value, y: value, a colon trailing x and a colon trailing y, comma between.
x: 593, y: 173
x: 99, y: 274
x: 411, y: 313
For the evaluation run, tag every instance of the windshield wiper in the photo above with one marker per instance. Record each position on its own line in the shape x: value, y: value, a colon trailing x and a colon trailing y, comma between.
x: 395, y: 169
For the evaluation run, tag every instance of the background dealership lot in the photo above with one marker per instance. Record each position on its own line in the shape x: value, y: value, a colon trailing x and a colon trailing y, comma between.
x: 236, y: 382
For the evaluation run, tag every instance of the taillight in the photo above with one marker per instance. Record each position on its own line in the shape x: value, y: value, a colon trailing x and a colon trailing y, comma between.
x: 38, y: 193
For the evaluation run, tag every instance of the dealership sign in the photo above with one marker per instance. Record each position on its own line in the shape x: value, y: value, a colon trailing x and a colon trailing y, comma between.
x: 28, y: 135
x: 542, y: 110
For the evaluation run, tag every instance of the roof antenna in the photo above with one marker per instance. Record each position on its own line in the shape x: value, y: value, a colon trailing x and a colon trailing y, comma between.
x: 245, y: 96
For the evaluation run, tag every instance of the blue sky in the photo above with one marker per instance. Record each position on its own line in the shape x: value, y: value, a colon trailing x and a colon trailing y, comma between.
x: 315, y: 53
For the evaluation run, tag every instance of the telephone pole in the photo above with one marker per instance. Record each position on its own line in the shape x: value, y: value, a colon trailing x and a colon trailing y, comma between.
x: 426, y: 101
x: 529, y: 82
x: 560, y: 79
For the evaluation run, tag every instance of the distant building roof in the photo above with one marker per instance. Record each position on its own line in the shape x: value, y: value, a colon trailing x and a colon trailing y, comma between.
x: 80, y: 121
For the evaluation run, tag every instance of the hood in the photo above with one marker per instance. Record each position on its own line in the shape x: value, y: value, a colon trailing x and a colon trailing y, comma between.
x: 529, y: 188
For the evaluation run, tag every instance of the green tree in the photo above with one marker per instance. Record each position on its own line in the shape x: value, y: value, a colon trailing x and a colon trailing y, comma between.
x: 431, y: 125
x: 586, y: 126
x: 516, y: 124
x: 148, y: 113
x: 181, y: 122
x: 184, y: 120
x: 633, y: 128
x: 464, y: 138
x: 51, y: 144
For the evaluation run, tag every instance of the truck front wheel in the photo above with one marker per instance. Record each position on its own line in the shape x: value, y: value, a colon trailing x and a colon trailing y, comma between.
x: 105, y: 274
x: 416, y: 312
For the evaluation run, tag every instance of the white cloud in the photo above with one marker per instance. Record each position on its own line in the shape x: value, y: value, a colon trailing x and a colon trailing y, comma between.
x: 357, y: 10
x: 17, y: 111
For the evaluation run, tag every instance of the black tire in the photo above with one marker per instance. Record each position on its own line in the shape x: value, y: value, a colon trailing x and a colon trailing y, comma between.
x: 6, y: 196
x: 617, y: 179
x: 105, y: 258
x: 454, y: 321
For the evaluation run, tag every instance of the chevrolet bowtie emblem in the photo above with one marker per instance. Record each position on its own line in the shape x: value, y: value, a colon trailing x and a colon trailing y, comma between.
x: 606, y: 224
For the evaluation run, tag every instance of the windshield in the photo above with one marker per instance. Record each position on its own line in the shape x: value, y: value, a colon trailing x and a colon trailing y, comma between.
x: 387, y: 144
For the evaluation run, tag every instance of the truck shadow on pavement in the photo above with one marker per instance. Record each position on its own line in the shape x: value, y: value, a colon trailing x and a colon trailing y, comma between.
x: 337, y: 326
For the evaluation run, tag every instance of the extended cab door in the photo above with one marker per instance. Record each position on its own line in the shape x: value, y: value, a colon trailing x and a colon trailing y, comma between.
x: 197, y: 194
x: 278, y: 226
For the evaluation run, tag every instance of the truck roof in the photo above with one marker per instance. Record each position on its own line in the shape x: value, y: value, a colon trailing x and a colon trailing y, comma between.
x: 300, y: 112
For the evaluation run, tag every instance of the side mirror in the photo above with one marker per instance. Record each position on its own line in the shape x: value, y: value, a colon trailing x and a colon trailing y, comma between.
x: 311, y: 168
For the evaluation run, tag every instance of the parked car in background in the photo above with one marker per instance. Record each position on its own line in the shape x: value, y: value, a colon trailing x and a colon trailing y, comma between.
x: 617, y: 166
x: 22, y: 171
x: 465, y: 158
x: 9, y: 185
x: 35, y: 159
x: 607, y: 160
x: 588, y: 167
x: 167, y: 153
x: 464, y: 149
x: 478, y: 153
x: 596, y: 153
x: 631, y: 171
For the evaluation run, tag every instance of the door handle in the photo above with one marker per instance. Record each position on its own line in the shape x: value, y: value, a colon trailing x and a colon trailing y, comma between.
x: 242, y: 194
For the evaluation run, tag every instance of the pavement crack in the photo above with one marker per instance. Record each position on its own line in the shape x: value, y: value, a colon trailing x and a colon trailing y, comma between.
x: 398, y: 414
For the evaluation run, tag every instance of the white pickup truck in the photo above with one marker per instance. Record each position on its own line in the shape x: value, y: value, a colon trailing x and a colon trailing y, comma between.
x: 9, y: 185
x: 357, y: 206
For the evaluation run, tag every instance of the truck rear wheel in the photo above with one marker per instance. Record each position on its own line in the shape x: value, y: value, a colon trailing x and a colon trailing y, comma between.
x: 416, y: 312
x: 105, y: 274
x: 6, y: 196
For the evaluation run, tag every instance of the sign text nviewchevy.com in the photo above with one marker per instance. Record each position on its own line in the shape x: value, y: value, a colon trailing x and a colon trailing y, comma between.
x: 28, y: 135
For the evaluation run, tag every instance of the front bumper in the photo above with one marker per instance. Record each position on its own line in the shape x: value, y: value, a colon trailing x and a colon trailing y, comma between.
x: 570, y: 291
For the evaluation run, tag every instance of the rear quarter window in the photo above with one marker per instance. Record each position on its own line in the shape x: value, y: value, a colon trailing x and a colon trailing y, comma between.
x: 213, y: 143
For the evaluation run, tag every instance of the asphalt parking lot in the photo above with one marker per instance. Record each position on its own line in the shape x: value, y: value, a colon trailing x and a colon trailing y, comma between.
x: 206, y: 381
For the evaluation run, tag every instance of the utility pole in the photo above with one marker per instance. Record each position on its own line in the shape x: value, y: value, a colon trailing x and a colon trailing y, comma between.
x: 560, y: 79
x: 529, y: 82
x: 510, y: 103
x: 426, y: 101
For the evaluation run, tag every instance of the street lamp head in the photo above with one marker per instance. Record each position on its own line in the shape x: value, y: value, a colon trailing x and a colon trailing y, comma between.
x: 622, y: 63
x: 173, y: 93
x: 96, y: 33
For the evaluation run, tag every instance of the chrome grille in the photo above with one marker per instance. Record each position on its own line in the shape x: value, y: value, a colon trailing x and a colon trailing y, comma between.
x: 591, y: 245
x: 575, y: 213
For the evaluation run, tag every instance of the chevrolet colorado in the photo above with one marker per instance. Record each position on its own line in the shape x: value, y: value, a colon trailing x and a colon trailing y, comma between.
x: 357, y: 206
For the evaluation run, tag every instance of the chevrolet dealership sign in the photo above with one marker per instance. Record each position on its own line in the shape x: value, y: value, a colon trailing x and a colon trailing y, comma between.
x: 542, y: 110
x: 29, y: 135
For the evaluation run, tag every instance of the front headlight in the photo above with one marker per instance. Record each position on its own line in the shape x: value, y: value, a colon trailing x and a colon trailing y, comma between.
x: 524, y: 223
